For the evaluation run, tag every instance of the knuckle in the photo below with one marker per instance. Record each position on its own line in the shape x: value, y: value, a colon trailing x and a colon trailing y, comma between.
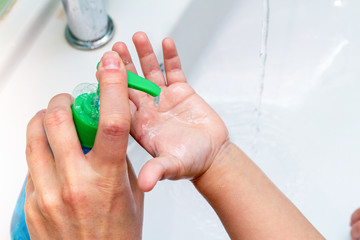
x: 111, y: 78
x: 61, y: 96
x: 29, y: 149
x: 48, y: 203
x: 30, y: 213
x: 181, y: 169
x: 28, y: 207
x: 29, y: 187
x: 115, y: 127
x: 73, y: 194
x: 34, y: 144
x: 57, y: 116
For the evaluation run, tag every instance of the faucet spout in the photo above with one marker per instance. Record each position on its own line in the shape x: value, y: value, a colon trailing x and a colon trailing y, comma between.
x: 89, y: 26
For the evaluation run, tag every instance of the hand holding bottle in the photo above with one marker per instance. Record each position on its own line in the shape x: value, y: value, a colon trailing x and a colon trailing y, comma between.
x: 70, y: 195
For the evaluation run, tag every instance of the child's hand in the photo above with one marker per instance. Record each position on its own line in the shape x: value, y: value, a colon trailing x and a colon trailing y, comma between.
x: 184, y: 133
x: 355, y: 225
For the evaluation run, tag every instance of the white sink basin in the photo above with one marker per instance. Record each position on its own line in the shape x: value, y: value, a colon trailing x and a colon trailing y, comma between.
x: 305, y: 136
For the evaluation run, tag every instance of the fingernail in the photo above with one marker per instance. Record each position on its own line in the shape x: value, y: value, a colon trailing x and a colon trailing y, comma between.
x: 110, y: 60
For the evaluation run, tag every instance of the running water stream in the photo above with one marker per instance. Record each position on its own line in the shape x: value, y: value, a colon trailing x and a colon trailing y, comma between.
x: 263, y: 58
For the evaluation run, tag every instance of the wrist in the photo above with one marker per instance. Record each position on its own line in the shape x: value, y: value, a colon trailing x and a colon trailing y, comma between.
x: 220, y: 167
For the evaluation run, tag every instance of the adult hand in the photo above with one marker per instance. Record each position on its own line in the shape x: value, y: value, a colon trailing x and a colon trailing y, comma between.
x: 70, y: 195
x: 184, y: 133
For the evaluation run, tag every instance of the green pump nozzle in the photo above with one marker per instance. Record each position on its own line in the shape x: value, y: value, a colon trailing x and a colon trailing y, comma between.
x: 87, y: 104
x: 141, y: 84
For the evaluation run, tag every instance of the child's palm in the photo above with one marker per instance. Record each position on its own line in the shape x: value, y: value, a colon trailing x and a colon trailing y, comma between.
x: 183, y: 133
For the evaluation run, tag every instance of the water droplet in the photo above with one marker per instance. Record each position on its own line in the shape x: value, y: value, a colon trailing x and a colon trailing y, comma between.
x: 156, y: 101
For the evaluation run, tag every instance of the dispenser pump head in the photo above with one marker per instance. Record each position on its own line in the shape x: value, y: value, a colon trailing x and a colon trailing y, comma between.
x: 86, y: 105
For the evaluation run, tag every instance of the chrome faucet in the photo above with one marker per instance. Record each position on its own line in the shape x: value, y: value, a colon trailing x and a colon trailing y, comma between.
x: 89, y: 26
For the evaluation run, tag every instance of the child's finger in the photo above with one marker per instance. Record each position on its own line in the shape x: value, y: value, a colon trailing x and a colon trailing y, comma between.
x: 173, y: 70
x: 149, y: 63
x: 124, y: 54
x: 355, y: 230
x: 355, y: 217
x: 163, y: 167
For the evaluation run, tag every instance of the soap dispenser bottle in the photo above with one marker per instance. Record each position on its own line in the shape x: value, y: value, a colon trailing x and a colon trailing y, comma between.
x: 85, y: 111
